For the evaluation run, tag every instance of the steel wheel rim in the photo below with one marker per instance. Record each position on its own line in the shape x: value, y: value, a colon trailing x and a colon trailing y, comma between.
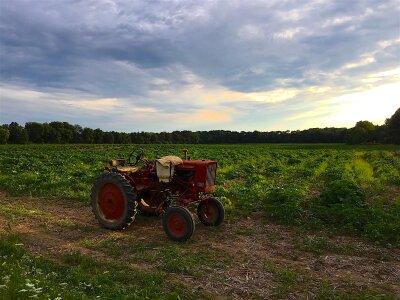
x: 111, y: 202
x: 177, y: 224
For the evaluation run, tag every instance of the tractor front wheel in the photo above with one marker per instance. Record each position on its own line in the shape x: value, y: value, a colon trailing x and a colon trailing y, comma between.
x: 178, y: 223
x: 211, y: 212
x: 113, y: 201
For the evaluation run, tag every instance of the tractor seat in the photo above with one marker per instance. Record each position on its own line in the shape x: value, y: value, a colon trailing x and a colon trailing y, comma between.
x: 126, y: 169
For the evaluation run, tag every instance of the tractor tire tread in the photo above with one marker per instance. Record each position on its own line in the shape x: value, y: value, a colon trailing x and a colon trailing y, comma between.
x: 221, y: 212
x: 129, y: 195
x: 188, y: 217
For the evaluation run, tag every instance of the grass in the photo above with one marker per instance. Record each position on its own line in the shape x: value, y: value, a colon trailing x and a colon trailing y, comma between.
x: 321, y: 190
x: 327, y: 291
x: 171, y: 258
x: 290, y: 281
x: 76, y: 276
x: 311, y: 186
x: 286, y: 278
x: 20, y: 211
x: 320, y: 244
x: 363, y: 171
x: 125, y: 265
x: 100, y: 244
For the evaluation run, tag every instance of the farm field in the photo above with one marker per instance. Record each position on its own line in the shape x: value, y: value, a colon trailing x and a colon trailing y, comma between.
x: 316, y: 221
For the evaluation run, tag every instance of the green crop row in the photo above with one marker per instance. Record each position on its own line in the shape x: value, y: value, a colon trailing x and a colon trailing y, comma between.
x: 346, y: 189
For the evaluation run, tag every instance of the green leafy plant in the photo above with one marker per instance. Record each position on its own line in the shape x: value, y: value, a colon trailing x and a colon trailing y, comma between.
x: 344, y: 192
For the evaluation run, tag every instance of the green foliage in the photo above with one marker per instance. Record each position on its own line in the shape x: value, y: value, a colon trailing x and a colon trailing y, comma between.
x: 393, y: 127
x: 343, y: 206
x: 362, y: 170
x: 108, y: 138
x: 18, y: 134
x: 226, y: 202
x: 386, y: 166
x: 63, y: 132
x: 76, y: 276
x: 284, y: 204
x: 88, y: 135
x: 363, y: 132
x: 384, y: 225
x: 35, y: 132
x: 286, y: 278
x: 344, y: 192
x: 313, y: 186
x: 4, y: 135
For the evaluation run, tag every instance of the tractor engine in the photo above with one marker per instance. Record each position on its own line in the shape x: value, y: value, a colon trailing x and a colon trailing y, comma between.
x: 201, y: 174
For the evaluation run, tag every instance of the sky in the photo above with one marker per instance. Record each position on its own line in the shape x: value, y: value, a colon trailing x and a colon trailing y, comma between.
x: 199, y: 65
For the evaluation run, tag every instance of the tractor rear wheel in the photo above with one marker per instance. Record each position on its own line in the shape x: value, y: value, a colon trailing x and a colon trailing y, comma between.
x: 178, y: 223
x: 211, y: 213
x: 113, y: 201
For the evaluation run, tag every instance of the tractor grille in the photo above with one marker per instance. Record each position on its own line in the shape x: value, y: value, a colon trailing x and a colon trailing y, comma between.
x: 211, y: 174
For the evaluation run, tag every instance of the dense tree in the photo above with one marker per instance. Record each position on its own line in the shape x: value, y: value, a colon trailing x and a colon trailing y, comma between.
x: 393, y: 127
x: 50, y: 134
x: 88, y: 136
x: 125, y: 138
x: 363, y: 132
x: 108, y: 138
x: 4, y: 135
x: 18, y: 134
x: 77, y: 133
x: 66, y: 131
x: 98, y: 136
x: 63, y: 132
x: 121, y: 137
x: 35, y: 132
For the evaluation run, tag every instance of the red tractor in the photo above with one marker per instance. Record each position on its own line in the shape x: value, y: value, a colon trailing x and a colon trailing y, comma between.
x: 160, y: 187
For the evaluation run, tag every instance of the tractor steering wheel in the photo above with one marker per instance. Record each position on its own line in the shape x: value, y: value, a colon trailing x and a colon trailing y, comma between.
x: 139, y: 156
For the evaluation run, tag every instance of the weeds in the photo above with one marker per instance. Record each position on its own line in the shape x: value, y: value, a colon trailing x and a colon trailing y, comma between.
x: 280, y: 180
x: 75, y: 276
x: 286, y: 278
x: 326, y: 291
x: 322, y: 244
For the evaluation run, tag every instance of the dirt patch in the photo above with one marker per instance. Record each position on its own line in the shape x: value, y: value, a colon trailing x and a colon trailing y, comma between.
x: 258, y: 259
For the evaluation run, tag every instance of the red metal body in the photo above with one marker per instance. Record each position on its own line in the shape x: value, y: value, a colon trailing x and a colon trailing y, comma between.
x: 162, y: 187
x: 191, y: 182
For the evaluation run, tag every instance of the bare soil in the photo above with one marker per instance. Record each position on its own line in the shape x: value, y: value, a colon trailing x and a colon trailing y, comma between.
x: 257, y: 255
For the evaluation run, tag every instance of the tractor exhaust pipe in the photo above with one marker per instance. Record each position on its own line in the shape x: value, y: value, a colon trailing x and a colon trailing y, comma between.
x: 185, y: 151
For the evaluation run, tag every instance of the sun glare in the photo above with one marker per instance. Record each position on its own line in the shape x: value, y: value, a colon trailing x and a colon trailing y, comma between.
x: 374, y: 105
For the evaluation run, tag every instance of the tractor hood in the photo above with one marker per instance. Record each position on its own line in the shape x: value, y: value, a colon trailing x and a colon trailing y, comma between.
x: 205, y: 172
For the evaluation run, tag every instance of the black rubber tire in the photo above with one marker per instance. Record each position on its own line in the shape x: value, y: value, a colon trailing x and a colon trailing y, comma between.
x: 186, y: 220
x: 129, y: 201
x: 218, y: 209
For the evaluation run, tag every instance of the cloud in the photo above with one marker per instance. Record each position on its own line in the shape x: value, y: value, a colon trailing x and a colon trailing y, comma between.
x: 205, y: 115
x: 115, y: 113
x: 250, y: 63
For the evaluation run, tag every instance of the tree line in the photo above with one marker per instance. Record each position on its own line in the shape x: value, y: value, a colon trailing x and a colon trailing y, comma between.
x: 65, y: 133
